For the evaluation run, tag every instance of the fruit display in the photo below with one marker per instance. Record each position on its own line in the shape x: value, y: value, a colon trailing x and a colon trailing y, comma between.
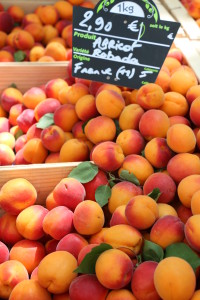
x: 43, y: 35
x: 124, y: 223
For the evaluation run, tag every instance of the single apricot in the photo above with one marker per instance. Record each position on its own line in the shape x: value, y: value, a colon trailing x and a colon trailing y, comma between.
x: 175, y: 279
x: 74, y: 150
x: 34, y: 151
x: 150, y: 96
x: 175, y: 104
x: 181, y: 138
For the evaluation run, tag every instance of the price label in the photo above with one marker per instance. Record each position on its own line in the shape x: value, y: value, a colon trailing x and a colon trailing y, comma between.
x: 120, y: 42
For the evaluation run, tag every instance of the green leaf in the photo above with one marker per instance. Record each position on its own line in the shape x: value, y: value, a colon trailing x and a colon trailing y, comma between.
x: 84, y: 124
x: 155, y: 194
x: 87, y: 266
x: 183, y: 251
x: 19, y: 56
x: 146, y: 6
x: 102, y: 194
x: 46, y: 121
x: 152, y: 251
x: 118, y: 129
x: 18, y: 134
x: 84, y: 172
x: 13, y: 85
x: 125, y: 175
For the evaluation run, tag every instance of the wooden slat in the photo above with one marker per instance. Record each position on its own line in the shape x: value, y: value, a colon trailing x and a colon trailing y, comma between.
x: 190, y: 53
x: 180, y: 13
x: 28, y: 74
x: 44, y: 177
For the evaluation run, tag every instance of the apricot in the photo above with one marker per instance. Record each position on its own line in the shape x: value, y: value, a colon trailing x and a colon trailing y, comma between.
x: 49, y: 105
x: 109, y: 87
x: 30, y: 18
x: 4, y: 124
x: 124, y: 237
x: 91, y: 186
x: 120, y: 294
x: 196, y: 295
x: 164, y: 183
x: 29, y: 222
x: 16, y: 12
x: 65, y: 116
x: 118, y: 216
x: 48, y: 275
x: 52, y: 158
x: 53, y: 87
x: 72, y: 243
x: 65, y: 9
x: 36, y: 30
x: 85, y: 250
x: 26, y: 119
x: 195, y: 203
x: 163, y: 80
x: 181, y: 138
x: 29, y: 289
x: 6, y: 22
x: 175, y: 104
x: 48, y: 15
x: 52, y: 138
x: 8, y: 230
x: 167, y: 230
x: 194, y: 112
x: 187, y: 187
x: 157, y: 152
x: 176, y: 53
x: 16, y: 195
x: 74, y: 150
x: 192, y: 93
x: 14, y: 112
x: 150, y: 96
x: 56, y: 50
x: 88, y: 210
x: 82, y: 286
x: 182, y: 165
x: 58, y: 222
x: 183, y: 79
x: 141, y: 212
x: 11, y: 273
x: 142, y: 282
x: 28, y: 252
x: 3, y: 37
x: 9, y: 97
x: 123, y: 270
x: 8, y: 139
x: 33, y: 96
x: 184, y: 213
x: 7, y: 155
x: 20, y: 142
x: 166, y: 209
x: 66, y: 34
x: 109, y: 103
x: 23, y: 40
x: 73, y: 93
x: 179, y: 120
x: 131, y: 141
x: 6, y: 56
x: 138, y: 166
x: 121, y: 193
x: 69, y: 192
x: 34, y: 152
x: 154, y: 123
x: 50, y: 32
x: 36, y: 53
x: 172, y: 64
x: 192, y: 232
x: 108, y: 156
x: 4, y: 252
x: 100, y: 129
x: 174, y: 279
x: 86, y: 108
x: 33, y: 132
x: 130, y: 117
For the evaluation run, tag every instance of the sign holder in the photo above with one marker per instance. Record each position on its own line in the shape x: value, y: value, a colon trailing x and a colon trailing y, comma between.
x: 120, y: 42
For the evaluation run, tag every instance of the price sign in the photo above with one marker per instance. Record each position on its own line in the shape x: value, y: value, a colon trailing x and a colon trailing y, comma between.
x: 120, y: 42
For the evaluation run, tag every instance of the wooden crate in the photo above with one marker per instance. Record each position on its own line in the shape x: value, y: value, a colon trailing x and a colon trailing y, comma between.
x: 44, y: 177
x: 179, y: 12
x: 28, y: 5
x: 28, y: 74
